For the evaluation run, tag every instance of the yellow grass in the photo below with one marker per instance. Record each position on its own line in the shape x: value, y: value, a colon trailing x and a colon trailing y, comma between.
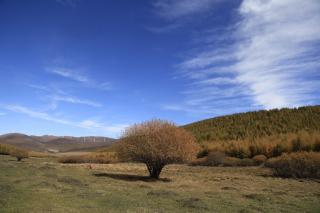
x: 43, y: 185
x: 270, y: 146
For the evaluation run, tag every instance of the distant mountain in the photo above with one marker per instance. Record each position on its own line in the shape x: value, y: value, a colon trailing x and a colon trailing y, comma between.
x: 257, y: 124
x: 49, y: 143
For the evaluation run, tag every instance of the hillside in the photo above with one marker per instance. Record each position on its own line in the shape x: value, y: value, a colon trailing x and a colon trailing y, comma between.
x: 257, y: 124
x: 22, y: 141
x: 55, y: 143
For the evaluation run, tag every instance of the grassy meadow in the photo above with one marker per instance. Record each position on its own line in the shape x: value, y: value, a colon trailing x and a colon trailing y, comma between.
x: 44, y: 185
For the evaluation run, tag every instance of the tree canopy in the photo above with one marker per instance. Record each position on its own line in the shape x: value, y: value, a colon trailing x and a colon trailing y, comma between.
x: 252, y: 125
x: 157, y: 143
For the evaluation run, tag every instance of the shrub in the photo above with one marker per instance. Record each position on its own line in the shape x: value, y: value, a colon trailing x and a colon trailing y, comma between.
x: 214, y: 146
x: 278, y: 149
x: 246, y: 162
x: 19, y: 153
x: 238, y: 149
x: 203, y: 153
x: 72, y: 159
x: 256, y: 149
x: 296, y: 144
x: 5, y: 149
x: 157, y: 143
x: 259, y: 159
x: 316, y: 145
x: 298, y: 165
x: 215, y: 158
x: 231, y: 161
x: 101, y: 158
x: 200, y: 162
x: 220, y: 159
x: 271, y: 146
x: 38, y: 154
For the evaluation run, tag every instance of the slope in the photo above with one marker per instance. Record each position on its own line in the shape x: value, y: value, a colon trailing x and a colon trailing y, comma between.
x: 251, y: 125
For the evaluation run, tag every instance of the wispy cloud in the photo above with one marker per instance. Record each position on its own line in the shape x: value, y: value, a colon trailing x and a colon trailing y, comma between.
x: 272, y: 60
x: 115, y: 129
x: 35, y: 114
x: 276, y: 56
x: 73, y: 75
x: 39, y: 87
x: 48, y: 89
x: 104, y: 86
x: 67, y: 73
x: 172, y: 9
x: 2, y: 113
x: 188, y: 109
x: 74, y: 100
x: 56, y: 95
x: 177, y: 13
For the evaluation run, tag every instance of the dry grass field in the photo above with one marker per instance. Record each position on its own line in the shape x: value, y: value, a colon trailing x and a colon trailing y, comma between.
x: 44, y: 185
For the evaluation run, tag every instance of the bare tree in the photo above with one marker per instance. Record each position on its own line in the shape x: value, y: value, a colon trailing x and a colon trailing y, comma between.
x: 156, y: 143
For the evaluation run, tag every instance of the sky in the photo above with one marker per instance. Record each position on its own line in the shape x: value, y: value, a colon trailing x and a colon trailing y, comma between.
x: 95, y: 67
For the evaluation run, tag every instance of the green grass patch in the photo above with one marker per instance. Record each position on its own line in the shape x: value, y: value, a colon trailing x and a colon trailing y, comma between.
x: 44, y: 185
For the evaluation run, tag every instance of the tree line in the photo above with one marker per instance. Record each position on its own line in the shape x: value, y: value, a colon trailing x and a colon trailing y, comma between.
x: 253, y: 125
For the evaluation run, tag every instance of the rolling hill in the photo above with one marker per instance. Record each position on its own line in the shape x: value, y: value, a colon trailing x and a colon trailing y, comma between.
x: 251, y: 125
x: 48, y: 143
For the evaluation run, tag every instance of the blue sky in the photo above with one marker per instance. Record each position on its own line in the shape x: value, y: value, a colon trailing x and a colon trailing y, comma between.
x: 80, y: 67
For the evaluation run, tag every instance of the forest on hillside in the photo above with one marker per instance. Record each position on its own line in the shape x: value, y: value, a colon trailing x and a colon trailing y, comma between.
x: 253, y: 125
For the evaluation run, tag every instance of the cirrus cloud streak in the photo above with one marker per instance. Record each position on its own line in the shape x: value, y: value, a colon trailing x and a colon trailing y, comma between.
x: 271, y: 60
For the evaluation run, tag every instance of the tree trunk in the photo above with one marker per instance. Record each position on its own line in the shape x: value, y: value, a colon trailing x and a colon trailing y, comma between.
x: 154, y: 170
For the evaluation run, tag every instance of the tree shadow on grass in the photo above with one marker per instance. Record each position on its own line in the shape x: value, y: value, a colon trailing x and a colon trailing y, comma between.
x: 128, y: 177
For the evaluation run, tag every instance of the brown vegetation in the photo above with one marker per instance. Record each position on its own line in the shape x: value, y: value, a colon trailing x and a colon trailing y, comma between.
x: 38, y: 154
x: 256, y: 152
x: 253, y: 125
x: 271, y: 146
x: 58, y: 143
x: 259, y: 159
x: 156, y: 143
x: 123, y: 187
x: 231, y: 162
x: 220, y: 159
x: 215, y: 158
x: 19, y: 154
x: 298, y: 165
x: 5, y: 149
x: 13, y: 151
x: 100, y: 157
